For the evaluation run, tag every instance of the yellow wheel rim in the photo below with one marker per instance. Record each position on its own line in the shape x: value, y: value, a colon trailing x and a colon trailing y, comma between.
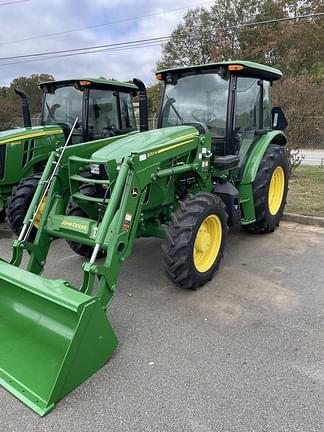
x: 276, y: 190
x: 40, y: 213
x: 207, y: 243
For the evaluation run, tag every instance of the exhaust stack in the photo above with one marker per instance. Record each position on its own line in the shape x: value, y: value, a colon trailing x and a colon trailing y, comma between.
x: 24, y: 107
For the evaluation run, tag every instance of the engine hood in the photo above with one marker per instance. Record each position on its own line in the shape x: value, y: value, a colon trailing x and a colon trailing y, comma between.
x: 28, y: 133
x: 144, y: 142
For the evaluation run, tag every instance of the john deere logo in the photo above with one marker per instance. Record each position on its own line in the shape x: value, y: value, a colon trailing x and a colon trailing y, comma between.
x: 134, y: 192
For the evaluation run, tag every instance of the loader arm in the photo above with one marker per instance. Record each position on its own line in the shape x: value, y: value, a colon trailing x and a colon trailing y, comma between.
x: 60, y: 331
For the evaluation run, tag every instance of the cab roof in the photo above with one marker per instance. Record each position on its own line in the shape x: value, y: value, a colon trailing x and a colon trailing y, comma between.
x: 96, y: 82
x: 250, y: 69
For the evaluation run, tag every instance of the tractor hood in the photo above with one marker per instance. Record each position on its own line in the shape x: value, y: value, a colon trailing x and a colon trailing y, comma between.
x: 145, y: 143
x: 28, y: 133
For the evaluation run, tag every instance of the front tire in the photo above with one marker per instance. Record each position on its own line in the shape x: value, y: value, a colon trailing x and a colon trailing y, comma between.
x: 78, y: 248
x: 195, y: 240
x: 270, y: 190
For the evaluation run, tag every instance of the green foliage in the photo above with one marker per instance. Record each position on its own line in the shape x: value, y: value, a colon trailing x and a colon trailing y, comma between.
x: 216, y: 34
x: 191, y: 42
x: 296, y: 47
x: 302, y: 101
x: 10, y: 109
x: 154, y: 95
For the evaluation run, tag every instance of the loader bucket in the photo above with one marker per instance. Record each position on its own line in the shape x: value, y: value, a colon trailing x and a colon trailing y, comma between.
x: 52, y: 337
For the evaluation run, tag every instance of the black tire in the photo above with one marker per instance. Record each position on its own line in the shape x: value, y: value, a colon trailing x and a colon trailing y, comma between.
x: 2, y: 216
x: 19, y: 202
x: 181, y: 233
x: 78, y: 248
x: 266, y: 222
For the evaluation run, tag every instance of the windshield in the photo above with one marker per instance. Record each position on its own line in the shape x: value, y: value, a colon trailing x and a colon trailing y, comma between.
x: 200, y: 98
x: 62, y: 107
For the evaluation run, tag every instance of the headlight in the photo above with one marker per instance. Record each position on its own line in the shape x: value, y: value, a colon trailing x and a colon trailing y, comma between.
x: 95, y: 169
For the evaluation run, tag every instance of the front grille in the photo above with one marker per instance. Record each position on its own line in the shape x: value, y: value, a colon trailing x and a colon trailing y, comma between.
x: 29, y: 146
x: 2, y: 160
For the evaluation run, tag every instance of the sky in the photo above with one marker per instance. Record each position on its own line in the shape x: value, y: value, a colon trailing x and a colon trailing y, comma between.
x: 40, y: 17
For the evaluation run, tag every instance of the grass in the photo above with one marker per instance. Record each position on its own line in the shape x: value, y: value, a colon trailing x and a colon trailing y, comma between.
x: 306, y: 191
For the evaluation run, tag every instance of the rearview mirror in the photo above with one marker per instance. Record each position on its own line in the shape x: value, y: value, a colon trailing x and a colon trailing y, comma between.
x: 279, y: 121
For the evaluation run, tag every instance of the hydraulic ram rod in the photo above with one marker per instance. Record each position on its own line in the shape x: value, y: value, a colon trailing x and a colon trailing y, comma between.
x: 32, y: 212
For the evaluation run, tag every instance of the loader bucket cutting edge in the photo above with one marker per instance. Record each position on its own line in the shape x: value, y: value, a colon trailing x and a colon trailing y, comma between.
x: 52, y: 337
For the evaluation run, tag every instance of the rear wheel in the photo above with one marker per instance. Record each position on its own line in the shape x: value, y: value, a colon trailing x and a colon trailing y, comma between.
x: 195, y: 240
x: 270, y: 190
x: 19, y: 202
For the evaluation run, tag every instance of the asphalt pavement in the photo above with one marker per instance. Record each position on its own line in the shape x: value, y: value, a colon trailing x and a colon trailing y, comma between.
x: 244, y: 353
x: 313, y: 157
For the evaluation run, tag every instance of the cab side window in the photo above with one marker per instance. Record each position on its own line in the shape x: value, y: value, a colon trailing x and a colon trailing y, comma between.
x: 247, y: 105
x: 127, y: 111
x: 103, y: 113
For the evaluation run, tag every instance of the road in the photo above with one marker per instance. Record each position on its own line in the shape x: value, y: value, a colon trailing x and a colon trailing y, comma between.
x: 313, y: 157
x: 245, y: 353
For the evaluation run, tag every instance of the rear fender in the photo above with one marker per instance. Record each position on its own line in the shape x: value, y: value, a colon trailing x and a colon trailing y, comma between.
x: 257, y: 152
x: 250, y: 171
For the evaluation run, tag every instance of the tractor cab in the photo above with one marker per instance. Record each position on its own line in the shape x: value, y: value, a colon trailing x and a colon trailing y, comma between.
x: 104, y: 108
x: 230, y: 101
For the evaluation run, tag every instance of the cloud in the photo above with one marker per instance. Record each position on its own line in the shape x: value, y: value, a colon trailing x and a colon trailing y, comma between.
x: 37, y: 17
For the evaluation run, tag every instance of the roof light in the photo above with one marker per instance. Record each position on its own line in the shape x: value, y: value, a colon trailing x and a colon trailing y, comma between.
x: 85, y: 83
x: 235, y: 68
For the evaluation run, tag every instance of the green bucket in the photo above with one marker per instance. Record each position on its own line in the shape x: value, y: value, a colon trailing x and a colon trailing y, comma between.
x: 52, y: 337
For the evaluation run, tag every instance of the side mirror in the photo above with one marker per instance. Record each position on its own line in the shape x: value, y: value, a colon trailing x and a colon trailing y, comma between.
x: 279, y: 121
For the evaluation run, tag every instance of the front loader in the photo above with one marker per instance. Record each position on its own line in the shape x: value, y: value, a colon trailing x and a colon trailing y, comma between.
x: 217, y: 160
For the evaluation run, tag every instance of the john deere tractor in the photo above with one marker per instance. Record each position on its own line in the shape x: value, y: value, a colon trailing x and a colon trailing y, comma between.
x: 218, y: 159
x: 103, y: 108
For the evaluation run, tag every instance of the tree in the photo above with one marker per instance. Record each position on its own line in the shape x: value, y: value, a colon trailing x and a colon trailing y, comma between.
x: 295, y: 46
x: 10, y: 103
x: 191, y: 42
x: 204, y: 36
x: 154, y: 96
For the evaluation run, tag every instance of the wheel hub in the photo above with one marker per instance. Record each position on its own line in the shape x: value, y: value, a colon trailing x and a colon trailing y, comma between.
x: 207, y: 243
x: 276, y: 190
x: 203, y: 240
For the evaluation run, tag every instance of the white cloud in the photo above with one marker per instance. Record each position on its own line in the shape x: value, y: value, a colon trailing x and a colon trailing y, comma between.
x: 37, y: 17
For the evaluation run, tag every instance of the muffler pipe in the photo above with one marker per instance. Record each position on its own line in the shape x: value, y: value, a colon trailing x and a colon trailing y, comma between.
x: 24, y: 107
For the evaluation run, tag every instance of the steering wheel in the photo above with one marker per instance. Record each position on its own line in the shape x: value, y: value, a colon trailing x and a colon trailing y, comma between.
x: 198, y: 115
x: 52, y: 109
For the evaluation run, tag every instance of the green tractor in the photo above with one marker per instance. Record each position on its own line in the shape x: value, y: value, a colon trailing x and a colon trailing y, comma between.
x: 217, y: 160
x: 104, y: 109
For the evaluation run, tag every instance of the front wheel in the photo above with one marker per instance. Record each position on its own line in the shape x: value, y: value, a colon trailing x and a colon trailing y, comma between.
x: 78, y: 248
x: 270, y: 190
x: 195, y: 240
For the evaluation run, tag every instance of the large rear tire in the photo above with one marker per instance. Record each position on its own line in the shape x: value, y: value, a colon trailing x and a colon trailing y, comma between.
x: 270, y: 190
x: 19, y: 202
x: 195, y: 240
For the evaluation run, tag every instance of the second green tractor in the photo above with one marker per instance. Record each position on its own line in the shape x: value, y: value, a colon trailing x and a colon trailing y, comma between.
x: 218, y: 159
